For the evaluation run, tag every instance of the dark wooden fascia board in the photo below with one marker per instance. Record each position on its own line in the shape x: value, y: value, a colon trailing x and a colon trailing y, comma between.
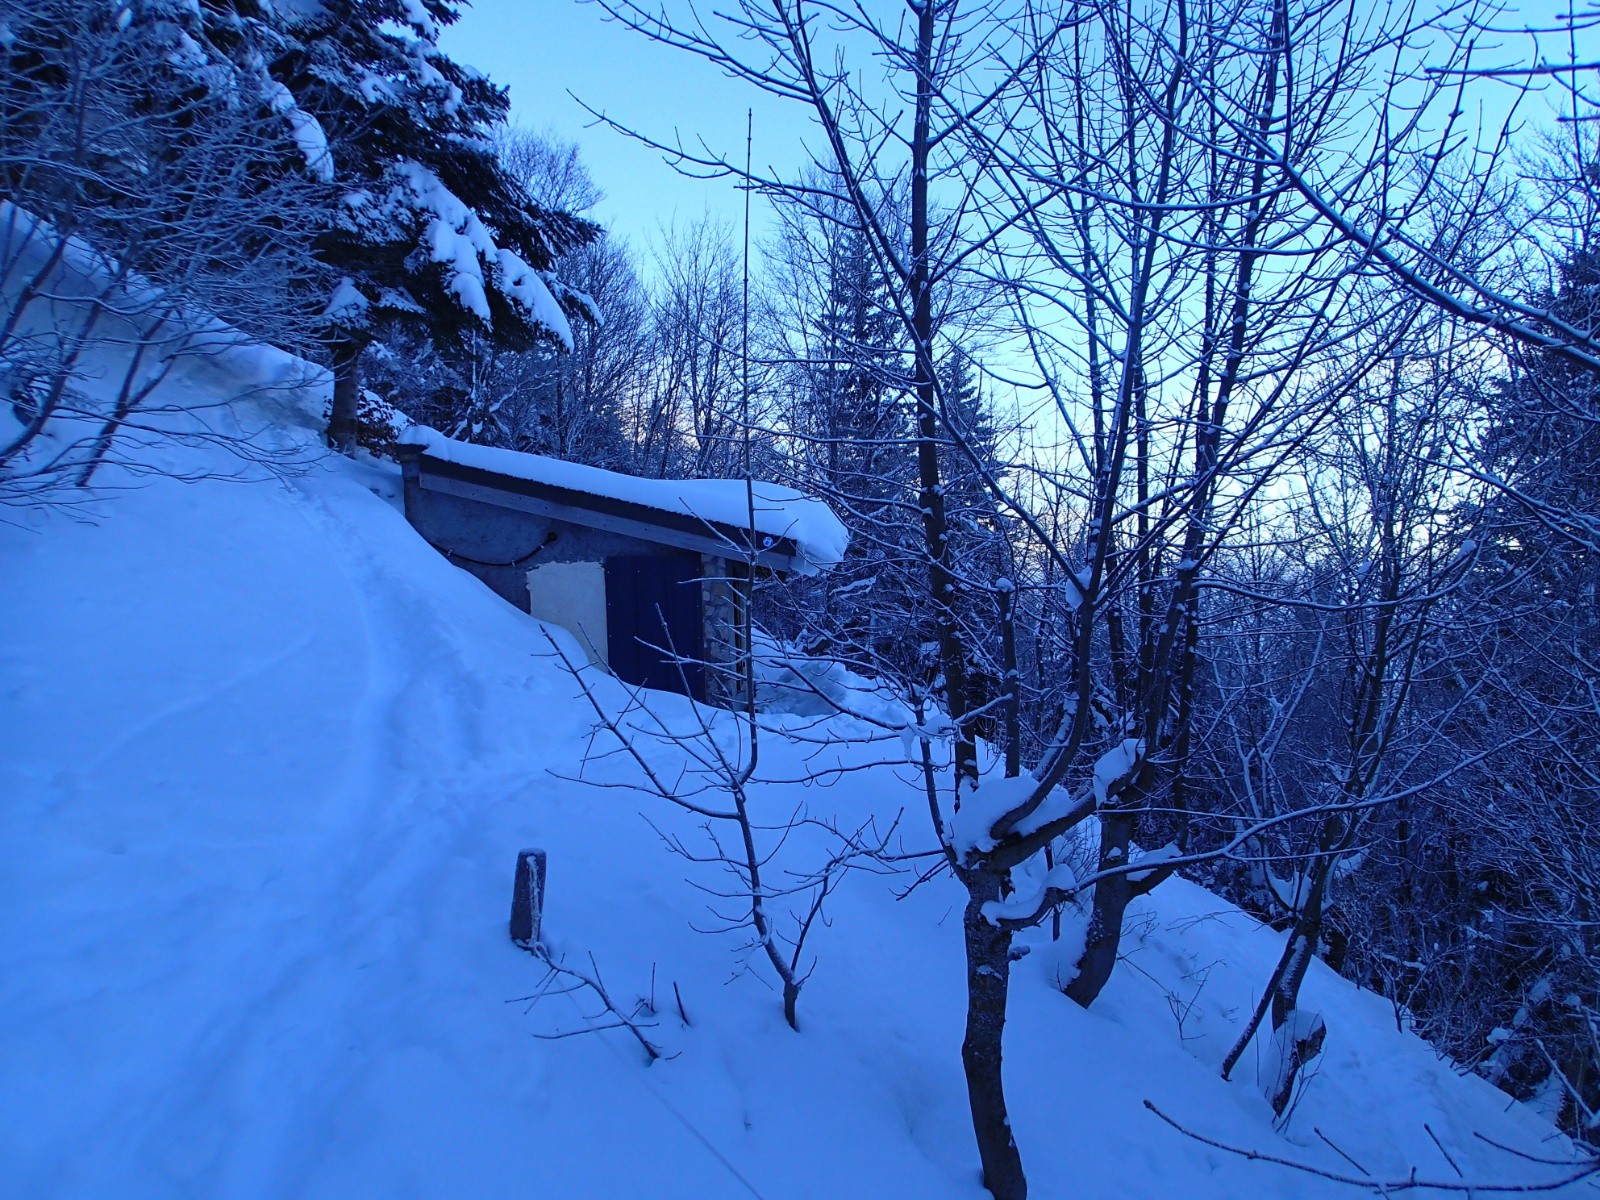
x: 678, y: 530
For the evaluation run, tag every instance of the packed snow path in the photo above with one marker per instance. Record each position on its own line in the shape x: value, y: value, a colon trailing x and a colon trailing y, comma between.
x: 265, y: 762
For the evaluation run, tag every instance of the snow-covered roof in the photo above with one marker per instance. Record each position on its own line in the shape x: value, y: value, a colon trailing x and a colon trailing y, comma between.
x: 789, y: 524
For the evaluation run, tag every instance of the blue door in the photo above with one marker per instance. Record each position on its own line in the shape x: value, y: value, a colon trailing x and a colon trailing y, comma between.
x: 654, y: 618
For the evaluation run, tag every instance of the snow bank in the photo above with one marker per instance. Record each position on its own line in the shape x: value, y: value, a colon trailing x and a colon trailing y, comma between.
x: 804, y: 685
x: 259, y: 402
x: 780, y: 512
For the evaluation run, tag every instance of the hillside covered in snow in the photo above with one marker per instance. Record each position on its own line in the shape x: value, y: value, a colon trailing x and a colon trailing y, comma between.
x: 266, y: 760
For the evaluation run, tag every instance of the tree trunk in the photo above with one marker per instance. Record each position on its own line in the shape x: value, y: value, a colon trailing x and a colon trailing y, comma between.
x: 988, y: 978
x: 1013, y: 682
x: 1283, y: 989
x: 1297, y: 956
x: 1111, y: 897
x: 943, y: 584
x: 343, y: 425
x: 128, y: 396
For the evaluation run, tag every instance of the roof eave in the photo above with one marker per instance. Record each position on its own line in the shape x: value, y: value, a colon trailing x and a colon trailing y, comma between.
x: 679, y: 530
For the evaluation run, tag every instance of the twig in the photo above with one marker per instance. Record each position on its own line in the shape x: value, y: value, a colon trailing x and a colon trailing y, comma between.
x: 595, y: 984
x: 683, y: 1014
x: 1433, y: 1137
x: 1409, y: 1182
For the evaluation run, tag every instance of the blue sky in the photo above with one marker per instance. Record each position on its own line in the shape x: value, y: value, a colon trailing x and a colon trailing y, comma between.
x: 545, y: 49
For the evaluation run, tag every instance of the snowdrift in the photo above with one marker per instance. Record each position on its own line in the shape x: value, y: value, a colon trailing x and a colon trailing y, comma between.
x: 266, y: 760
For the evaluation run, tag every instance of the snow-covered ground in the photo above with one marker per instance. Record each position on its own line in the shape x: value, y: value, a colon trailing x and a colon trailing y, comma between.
x: 265, y: 763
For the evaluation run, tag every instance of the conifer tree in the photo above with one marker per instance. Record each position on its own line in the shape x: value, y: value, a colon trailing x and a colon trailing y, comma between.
x: 980, y: 550
x: 856, y: 418
x: 430, y: 233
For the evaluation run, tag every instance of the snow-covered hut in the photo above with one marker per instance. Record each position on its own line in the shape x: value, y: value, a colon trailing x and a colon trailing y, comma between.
x: 640, y: 571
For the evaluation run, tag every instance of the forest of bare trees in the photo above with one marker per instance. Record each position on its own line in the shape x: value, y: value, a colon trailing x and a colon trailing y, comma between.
x: 1211, y: 390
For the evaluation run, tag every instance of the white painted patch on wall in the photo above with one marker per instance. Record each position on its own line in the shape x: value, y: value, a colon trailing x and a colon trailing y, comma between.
x: 573, y: 596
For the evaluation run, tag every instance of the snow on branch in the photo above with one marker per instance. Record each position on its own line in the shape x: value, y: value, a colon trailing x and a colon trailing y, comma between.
x: 454, y: 237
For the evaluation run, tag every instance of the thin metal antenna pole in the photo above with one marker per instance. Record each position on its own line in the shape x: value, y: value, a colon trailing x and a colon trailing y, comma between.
x: 744, y: 399
x: 747, y: 586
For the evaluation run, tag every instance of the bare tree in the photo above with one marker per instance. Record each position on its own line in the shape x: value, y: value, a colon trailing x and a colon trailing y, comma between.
x: 1394, y: 563
x: 717, y: 780
x: 685, y: 420
x: 1444, y: 218
x: 1134, y: 180
x: 149, y: 196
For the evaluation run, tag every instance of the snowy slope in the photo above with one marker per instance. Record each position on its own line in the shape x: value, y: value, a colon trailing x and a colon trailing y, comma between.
x: 265, y: 762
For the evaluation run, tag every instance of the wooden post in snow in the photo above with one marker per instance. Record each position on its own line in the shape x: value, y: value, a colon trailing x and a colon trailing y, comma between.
x: 527, y: 899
